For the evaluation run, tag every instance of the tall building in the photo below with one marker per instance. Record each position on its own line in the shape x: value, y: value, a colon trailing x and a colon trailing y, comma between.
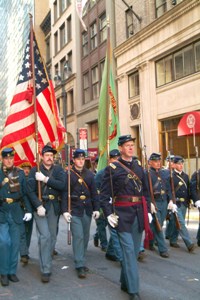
x: 14, y: 30
x: 158, y: 72
x: 65, y: 62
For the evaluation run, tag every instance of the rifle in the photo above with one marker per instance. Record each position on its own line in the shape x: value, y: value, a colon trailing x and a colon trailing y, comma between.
x: 178, y: 226
x: 69, y: 237
x: 158, y: 226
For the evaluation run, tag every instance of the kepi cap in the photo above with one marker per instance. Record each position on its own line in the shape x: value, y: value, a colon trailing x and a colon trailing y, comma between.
x: 78, y: 153
x: 125, y: 138
x: 114, y: 153
x: 48, y: 148
x: 7, y: 152
x: 178, y: 159
x: 25, y: 164
x: 155, y: 156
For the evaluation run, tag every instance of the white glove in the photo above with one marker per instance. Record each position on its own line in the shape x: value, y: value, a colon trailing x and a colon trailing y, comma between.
x: 170, y: 205
x: 67, y: 217
x: 174, y: 208
x: 113, y: 220
x: 96, y: 214
x: 197, y: 203
x: 153, y: 209
x: 27, y: 217
x: 150, y: 217
x: 41, y: 177
x: 41, y: 211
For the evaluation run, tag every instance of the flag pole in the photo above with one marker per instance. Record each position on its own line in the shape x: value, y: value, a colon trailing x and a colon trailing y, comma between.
x: 34, y: 101
x: 108, y: 84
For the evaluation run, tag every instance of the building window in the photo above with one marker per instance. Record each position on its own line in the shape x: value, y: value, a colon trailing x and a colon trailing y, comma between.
x: 94, y: 131
x: 161, y: 7
x: 62, y: 36
x: 56, y: 43
x: 56, y: 72
x: 69, y: 29
x: 197, y: 56
x: 176, y: 144
x: 70, y: 102
x: 133, y: 82
x: 85, y: 43
x: 62, y: 68
x: 103, y: 28
x: 182, y: 63
x: 164, y: 70
x: 48, y: 50
x: 55, y: 10
x: 63, y: 5
x: 93, y: 35
x: 95, y: 83
x: 102, y: 64
x: 129, y: 23
x: 86, y: 88
x: 69, y: 59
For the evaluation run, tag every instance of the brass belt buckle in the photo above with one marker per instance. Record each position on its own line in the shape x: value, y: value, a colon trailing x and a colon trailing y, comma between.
x: 82, y: 197
x: 162, y: 192
x: 9, y: 200
x: 182, y: 199
x: 51, y: 197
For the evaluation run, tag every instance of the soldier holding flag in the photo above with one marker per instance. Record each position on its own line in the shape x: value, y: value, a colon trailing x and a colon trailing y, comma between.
x: 47, y: 209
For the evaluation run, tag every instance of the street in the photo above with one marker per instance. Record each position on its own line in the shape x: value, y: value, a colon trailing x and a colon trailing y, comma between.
x: 177, y: 277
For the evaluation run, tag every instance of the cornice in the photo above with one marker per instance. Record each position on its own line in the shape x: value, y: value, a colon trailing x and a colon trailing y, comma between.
x: 156, y: 25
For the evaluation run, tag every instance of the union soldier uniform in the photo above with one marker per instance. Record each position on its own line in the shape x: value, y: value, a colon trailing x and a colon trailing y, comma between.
x: 46, y: 210
x: 182, y: 193
x: 195, y: 195
x: 125, y: 183
x: 112, y: 247
x: 13, y: 191
x: 26, y: 227
x: 162, y: 194
x: 84, y: 204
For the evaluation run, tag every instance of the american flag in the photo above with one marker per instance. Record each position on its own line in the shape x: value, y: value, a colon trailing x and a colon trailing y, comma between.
x: 19, y: 130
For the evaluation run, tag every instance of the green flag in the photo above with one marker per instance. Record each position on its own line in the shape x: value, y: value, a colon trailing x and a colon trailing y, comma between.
x: 108, y: 115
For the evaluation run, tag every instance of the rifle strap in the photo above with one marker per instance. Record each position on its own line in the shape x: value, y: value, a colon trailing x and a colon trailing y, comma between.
x: 129, y: 171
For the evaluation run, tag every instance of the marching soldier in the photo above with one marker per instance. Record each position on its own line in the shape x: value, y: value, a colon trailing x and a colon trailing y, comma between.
x: 161, y: 194
x: 169, y: 164
x: 12, y: 192
x: 26, y: 227
x: 124, y: 182
x: 195, y: 194
x: 84, y: 205
x: 47, y: 209
x: 113, y: 251
x: 182, y: 193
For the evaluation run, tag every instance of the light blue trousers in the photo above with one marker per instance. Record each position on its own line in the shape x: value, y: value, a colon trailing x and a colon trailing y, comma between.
x: 80, y: 228
x: 9, y: 245
x: 130, y: 245
x: 47, y: 232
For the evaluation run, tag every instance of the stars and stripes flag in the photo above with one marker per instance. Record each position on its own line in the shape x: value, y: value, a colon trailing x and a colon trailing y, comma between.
x: 19, y: 130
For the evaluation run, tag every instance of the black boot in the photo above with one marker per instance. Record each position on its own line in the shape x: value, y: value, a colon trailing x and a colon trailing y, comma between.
x: 4, y: 280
